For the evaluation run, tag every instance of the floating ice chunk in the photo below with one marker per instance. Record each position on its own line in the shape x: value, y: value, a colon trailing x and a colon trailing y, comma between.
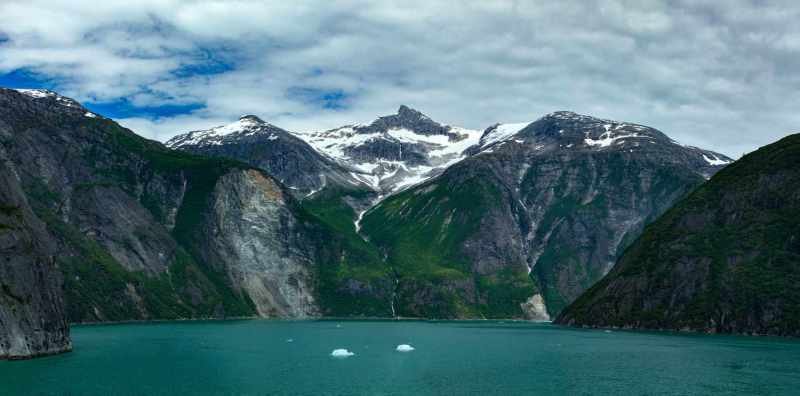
x: 341, y: 353
x: 404, y: 348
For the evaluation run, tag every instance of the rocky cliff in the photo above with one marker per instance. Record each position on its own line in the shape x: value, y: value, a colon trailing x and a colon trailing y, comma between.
x: 725, y: 259
x: 145, y: 232
x: 32, y: 317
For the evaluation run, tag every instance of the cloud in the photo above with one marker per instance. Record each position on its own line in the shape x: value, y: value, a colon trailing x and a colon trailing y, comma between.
x: 719, y: 74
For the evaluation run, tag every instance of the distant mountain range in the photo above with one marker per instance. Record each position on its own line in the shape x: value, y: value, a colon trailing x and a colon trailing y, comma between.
x: 403, y: 217
x: 535, y: 190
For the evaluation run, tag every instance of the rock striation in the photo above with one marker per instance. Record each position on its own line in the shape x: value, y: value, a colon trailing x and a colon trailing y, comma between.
x: 32, y: 317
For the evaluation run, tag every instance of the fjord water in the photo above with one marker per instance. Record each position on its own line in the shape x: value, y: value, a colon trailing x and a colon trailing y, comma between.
x: 260, y: 357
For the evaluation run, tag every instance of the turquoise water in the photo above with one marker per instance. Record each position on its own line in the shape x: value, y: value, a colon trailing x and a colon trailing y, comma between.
x: 451, y: 358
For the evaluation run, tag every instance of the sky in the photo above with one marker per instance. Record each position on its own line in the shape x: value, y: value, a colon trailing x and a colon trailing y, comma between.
x: 722, y: 75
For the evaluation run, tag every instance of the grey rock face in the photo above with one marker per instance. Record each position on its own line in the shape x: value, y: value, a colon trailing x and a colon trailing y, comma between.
x: 32, y: 317
x: 256, y: 238
x: 89, y: 184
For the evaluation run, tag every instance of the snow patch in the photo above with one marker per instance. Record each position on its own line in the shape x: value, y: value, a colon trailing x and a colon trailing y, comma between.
x: 43, y: 93
x: 502, y: 132
x: 36, y: 93
x: 715, y: 161
x: 408, y: 136
x: 607, y: 139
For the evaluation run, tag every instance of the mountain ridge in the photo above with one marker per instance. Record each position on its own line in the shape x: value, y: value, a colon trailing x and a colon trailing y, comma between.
x: 722, y: 260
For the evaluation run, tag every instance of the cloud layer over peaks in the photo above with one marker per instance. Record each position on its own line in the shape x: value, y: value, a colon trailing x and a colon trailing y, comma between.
x: 716, y: 74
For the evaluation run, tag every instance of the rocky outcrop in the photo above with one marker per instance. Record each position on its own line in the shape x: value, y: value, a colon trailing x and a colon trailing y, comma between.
x: 32, y: 317
x: 725, y: 259
x: 535, y: 309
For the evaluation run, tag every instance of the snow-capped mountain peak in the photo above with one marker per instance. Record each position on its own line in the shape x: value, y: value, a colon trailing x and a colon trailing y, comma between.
x: 566, y: 130
x: 246, y: 125
x: 395, y: 151
x: 45, y: 93
x: 64, y: 101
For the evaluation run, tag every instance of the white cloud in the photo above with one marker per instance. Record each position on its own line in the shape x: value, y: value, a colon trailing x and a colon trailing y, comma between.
x: 720, y: 75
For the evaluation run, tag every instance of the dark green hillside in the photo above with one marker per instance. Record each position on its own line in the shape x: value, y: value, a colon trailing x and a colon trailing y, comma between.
x: 423, y: 232
x: 725, y: 259
x: 353, y: 278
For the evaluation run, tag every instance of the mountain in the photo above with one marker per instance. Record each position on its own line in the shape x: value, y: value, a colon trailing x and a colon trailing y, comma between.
x: 532, y: 217
x: 396, y: 151
x: 724, y: 259
x: 358, y: 165
x: 32, y: 318
x: 146, y: 232
x: 283, y: 155
x: 442, y: 222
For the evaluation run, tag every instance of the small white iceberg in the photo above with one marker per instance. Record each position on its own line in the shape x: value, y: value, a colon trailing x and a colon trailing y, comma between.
x: 404, y: 348
x: 341, y: 353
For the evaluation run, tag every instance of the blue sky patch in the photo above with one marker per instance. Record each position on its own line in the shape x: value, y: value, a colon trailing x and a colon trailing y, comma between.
x: 327, y: 99
x: 24, y: 79
x: 124, y: 109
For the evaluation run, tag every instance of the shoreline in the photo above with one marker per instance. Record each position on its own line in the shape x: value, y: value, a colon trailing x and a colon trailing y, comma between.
x: 307, y: 319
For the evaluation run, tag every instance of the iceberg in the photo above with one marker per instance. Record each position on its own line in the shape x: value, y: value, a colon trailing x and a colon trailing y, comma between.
x: 404, y: 348
x: 341, y: 353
